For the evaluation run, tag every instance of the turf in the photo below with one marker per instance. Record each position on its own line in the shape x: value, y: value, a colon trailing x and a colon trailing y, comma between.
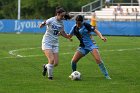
x: 21, y: 71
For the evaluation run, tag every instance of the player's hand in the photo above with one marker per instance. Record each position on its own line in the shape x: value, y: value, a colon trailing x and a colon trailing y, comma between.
x: 40, y: 26
x: 59, y: 34
x: 104, y: 39
x: 69, y: 37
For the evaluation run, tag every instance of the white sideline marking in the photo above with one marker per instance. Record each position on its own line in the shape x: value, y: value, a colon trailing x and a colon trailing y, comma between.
x: 14, y: 54
x: 123, y: 49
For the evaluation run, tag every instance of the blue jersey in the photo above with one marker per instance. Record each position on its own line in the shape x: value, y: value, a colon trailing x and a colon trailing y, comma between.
x: 83, y: 34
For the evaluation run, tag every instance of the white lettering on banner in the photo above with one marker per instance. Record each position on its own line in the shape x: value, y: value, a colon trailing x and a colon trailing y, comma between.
x: 1, y: 25
x: 20, y: 26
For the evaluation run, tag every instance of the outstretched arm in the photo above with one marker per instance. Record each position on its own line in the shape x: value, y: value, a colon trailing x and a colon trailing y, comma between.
x: 42, y: 24
x: 100, y: 35
x: 65, y: 35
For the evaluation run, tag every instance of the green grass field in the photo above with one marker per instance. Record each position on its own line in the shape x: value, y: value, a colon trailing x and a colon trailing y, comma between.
x: 21, y: 61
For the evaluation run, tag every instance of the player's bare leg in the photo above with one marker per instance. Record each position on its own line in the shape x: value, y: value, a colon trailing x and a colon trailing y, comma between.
x: 49, y: 66
x: 100, y: 63
x: 77, y: 56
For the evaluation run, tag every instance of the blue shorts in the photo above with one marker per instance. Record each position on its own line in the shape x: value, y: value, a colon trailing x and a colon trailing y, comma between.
x: 86, y: 50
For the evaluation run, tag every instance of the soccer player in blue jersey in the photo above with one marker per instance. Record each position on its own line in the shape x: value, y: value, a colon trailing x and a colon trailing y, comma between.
x: 83, y: 31
x: 50, y: 43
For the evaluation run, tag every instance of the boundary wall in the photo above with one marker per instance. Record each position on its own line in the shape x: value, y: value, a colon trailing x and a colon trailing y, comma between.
x: 105, y: 27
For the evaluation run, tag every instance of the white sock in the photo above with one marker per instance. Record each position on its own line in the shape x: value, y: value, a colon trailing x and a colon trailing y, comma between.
x: 46, y: 65
x: 50, y: 70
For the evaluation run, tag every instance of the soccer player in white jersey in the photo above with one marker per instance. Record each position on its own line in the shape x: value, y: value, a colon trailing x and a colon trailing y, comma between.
x: 50, y: 43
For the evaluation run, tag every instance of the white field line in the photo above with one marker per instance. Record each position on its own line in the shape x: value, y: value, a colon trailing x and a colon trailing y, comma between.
x: 123, y: 49
x: 15, y: 54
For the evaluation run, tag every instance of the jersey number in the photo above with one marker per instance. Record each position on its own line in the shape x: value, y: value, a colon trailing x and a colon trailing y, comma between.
x: 55, y: 32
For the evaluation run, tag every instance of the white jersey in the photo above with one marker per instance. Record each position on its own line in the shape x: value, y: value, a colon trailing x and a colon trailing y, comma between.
x: 53, y: 28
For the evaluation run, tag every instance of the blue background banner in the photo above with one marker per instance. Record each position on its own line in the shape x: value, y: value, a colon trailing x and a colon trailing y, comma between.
x: 105, y: 27
x: 119, y: 28
x: 21, y: 26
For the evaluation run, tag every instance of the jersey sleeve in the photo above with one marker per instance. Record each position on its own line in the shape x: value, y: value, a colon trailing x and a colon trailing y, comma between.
x: 92, y: 30
x: 48, y: 21
x: 89, y: 27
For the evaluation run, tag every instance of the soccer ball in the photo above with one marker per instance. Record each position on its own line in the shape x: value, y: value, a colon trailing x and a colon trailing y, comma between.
x: 75, y: 75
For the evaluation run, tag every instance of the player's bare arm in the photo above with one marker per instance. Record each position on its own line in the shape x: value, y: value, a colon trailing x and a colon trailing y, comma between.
x: 70, y: 36
x: 65, y: 35
x: 100, y: 35
x: 42, y: 24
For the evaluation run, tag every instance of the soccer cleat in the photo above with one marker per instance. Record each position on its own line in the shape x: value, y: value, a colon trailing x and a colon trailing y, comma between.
x: 107, y: 77
x: 50, y: 78
x: 44, y: 70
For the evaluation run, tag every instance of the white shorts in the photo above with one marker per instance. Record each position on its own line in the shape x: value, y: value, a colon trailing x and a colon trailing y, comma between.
x: 54, y: 49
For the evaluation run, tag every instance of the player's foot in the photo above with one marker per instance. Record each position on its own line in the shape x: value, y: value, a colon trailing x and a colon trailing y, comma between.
x: 44, y: 70
x: 107, y: 77
x: 50, y: 78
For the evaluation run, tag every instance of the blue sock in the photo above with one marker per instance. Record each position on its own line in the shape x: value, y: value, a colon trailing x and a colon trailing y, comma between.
x: 103, y: 69
x: 74, y: 66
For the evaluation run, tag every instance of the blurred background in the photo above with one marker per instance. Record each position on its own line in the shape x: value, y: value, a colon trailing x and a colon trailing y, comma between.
x: 42, y: 9
x: 26, y: 15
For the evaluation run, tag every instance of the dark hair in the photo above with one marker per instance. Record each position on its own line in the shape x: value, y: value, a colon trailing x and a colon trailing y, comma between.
x: 59, y: 10
x: 67, y: 16
x: 79, y: 18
